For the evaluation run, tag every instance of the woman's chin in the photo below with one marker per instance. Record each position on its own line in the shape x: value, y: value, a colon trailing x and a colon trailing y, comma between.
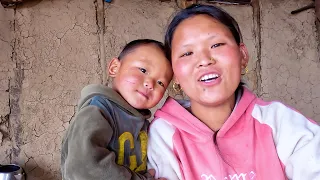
x: 211, y: 101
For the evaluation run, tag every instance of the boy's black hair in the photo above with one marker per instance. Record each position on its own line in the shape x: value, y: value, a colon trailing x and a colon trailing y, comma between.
x: 139, y: 42
x: 197, y: 9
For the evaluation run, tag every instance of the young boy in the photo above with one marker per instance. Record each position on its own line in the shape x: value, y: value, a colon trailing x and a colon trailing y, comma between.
x: 108, y: 139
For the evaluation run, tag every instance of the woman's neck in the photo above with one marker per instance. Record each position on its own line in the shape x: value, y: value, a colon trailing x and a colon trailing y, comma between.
x: 214, y: 116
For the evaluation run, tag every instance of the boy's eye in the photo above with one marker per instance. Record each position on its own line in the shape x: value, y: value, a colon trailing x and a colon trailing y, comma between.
x: 186, y: 54
x: 143, y: 70
x: 160, y: 83
x: 217, y: 45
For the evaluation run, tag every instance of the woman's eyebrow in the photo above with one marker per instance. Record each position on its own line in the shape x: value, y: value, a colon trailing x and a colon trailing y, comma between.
x: 213, y: 36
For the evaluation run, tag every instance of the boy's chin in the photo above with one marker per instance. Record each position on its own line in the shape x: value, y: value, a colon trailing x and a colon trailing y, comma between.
x: 137, y: 105
x: 142, y: 106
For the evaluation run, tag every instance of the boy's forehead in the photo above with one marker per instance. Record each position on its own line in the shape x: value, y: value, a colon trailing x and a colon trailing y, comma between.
x: 152, y: 57
x: 145, y: 51
x: 147, y: 48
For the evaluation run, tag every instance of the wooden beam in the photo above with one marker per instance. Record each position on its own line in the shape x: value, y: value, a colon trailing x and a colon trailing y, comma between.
x: 317, y: 5
x: 185, y: 3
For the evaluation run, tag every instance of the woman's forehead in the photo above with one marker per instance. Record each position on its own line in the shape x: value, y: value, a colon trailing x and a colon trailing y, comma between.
x: 200, y: 25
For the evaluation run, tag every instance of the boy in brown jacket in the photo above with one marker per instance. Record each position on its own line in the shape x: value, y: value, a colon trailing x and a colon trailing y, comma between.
x: 108, y: 138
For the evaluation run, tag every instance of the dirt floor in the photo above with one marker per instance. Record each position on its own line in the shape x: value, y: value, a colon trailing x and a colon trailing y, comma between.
x: 50, y: 49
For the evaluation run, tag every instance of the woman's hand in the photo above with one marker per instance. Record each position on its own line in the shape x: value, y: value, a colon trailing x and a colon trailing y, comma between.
x: 151, y: 173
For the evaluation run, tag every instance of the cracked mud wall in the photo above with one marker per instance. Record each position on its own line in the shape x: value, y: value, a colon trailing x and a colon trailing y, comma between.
x: 57, y: 49
x: 6, y: 67
x: 290, y: 65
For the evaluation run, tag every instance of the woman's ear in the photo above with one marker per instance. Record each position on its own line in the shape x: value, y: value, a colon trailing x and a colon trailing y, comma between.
x: 114, y: 67
x: 175, y: 80
x: 244, y: 54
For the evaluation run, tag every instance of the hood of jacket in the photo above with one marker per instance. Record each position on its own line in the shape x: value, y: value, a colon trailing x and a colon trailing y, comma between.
x: 100, y: 90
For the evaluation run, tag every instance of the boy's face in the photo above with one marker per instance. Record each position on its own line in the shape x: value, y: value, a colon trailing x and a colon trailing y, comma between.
x: 142, y: 76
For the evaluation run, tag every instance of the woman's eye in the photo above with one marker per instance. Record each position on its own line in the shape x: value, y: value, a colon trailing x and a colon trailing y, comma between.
x: 187, y: 54
x: 160, y: 83
x: 217, y: 45
x: 143, y: 70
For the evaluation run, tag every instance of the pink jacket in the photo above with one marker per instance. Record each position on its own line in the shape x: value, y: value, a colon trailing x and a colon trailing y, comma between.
x: 260, y: 140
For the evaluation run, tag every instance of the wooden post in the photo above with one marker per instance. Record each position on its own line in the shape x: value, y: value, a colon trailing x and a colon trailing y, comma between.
x: 317, y: 5
x: 185, y: 3
x: 10, y: 3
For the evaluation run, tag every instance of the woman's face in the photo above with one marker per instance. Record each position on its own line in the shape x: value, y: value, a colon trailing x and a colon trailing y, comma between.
x: 198, y: 40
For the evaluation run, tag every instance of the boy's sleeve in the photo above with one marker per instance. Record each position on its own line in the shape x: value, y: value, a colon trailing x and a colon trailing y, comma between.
x: 297, y: 140
x: 84, y: 154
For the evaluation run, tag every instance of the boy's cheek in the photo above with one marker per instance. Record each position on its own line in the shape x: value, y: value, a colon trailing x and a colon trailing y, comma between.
x: 132, y: 80
x: 159, y: 95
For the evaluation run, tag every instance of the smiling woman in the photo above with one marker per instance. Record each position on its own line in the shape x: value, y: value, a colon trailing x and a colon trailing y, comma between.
x: 224, y: 131
x: 211, y: 40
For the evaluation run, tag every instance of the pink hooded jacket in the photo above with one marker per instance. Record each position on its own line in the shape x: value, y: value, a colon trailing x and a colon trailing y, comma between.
x: 260, y: 140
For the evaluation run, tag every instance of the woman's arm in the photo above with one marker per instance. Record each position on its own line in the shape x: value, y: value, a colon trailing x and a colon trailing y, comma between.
x: 297, y: 139
x: 161, y: 156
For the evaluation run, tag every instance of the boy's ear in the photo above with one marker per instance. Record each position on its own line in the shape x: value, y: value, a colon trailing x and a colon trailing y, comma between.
x: 114, y: 67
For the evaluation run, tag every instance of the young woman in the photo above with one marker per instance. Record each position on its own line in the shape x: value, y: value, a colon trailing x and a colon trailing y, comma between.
x: 224, y: 132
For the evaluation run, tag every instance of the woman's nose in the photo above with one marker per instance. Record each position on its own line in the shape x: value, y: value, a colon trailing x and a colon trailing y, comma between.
x: 205, y: 59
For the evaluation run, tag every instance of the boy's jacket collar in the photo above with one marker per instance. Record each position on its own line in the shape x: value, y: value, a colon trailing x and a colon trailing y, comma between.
x: 97, y: 89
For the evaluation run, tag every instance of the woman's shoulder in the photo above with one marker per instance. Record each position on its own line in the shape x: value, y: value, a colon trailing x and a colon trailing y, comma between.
x: 161, y: 131
x: 263, y: 105
x: 160, y: 124
x: 270, y: 112
x: 275, y: 106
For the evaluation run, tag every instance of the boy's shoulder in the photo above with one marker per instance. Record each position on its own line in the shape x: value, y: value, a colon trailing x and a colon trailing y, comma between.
x: 90, y: 91
x: 108, y: 97
x: 96, y: 89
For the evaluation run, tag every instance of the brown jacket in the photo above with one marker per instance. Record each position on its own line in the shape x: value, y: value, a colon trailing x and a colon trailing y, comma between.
x: 106, y: 140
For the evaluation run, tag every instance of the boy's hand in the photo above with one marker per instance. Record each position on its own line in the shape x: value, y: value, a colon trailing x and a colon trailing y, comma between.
x: 151, y: 173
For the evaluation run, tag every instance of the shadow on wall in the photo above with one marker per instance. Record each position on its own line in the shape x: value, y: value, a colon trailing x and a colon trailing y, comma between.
x: 13, y: 171
x: 17, y: 3
x: 32, y: 169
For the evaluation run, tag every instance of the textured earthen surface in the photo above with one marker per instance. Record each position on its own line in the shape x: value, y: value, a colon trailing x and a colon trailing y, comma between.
x: 6, y: 74
x: 290, y: 65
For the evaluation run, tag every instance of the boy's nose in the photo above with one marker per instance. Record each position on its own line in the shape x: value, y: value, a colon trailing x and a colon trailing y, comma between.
x: 148, y: 84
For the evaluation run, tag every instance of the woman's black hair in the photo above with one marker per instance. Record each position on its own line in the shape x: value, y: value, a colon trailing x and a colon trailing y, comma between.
x: 197, y: 9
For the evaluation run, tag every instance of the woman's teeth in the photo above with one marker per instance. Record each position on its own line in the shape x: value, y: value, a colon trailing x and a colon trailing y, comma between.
x: 209, y: 77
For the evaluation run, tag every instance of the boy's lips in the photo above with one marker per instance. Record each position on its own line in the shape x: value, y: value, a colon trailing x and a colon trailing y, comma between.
x: 143, y: 93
